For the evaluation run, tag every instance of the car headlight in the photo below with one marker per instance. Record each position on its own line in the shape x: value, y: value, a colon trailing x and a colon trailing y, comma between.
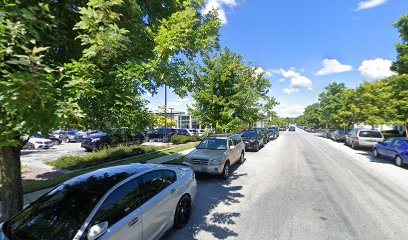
x: 95, y: 139
x: 215, y: 161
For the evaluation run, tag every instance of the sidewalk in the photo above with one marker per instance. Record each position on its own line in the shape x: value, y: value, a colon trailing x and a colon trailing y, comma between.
x: 30, y: 197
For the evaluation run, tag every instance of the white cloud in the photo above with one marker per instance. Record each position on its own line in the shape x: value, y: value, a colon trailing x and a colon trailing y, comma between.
x: 179, y: 103
x: 281, y: 80
x: 369, y: 4
x: 289, y: 111
x: 376, y: 69
x: 260, y: 70
x: 297, y: 80
x: 290, y: 90
x: 331, y: 66
x: 219, y: 6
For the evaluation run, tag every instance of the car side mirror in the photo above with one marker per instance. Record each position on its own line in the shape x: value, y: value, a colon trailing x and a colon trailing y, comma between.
x: 97, y: 230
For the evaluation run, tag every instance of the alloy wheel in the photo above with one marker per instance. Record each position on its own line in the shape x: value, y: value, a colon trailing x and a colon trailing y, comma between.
x: 398, y: 161
x: 183, y: 212
x: 375, y: 152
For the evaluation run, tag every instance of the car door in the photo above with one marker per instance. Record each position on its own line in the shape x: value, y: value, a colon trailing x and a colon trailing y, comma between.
x: 384, y: 147
x: 121, y: 209
x: 239, y: 146
x: 395, y: 147
x: 159, y: 202
x: 232, y: 151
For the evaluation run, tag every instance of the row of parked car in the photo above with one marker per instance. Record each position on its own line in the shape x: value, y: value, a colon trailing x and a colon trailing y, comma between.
x: 129, y: 201
x: 394, y: 148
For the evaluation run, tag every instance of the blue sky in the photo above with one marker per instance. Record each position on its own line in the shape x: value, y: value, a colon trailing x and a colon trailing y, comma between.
x: 302, y: 46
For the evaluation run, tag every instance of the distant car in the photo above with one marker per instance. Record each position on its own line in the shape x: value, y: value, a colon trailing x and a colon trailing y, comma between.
x: 394, y: 149
x: 193, y: 132
x: 326, y: 132
x: 216, y: 154
x: 101, y: 140
x: 339, y: 135
x: 164, y: 134
x: 253, y: 139
x: 282, y: 129
x: 70, y: 136
x: 200, y: 132
x: 136, y: 201
x: 363, y: 138
x: 272, y: 134
x: 38, y: 143
x: 55, y: 140
x: 292, y: 129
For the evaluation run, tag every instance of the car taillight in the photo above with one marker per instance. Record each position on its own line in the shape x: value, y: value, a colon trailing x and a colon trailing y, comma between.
x: 357, y: 138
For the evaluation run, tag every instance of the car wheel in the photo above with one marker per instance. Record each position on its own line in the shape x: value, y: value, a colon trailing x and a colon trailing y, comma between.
x: 88, y: 150
x: 242, y: 158
x: 103, y: 145
x: 138, y: 142
x: 226, y: 171
x: 183, y: 212
x: 353, y: 145
x: 257, y: 147
x: 66, y: 140
x: 30, y: 146
x: 398, y: 161
x: 56, y: 142
x: 375, y: 152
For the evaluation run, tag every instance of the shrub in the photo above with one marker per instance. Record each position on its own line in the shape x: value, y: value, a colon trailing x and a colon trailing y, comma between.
x: 181, y: 139
x: 100, y: 157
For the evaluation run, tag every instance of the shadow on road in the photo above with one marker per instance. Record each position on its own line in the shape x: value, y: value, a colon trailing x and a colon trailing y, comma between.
x: 211, y: 192
x: 367, y: 153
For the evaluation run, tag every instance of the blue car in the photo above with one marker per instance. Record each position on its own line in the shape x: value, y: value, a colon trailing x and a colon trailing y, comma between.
x: 393, y: 148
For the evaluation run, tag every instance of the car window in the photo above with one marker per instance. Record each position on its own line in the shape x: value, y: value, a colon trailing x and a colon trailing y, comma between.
x: 398, y: 142
x: 231, y: 142
x: 119, y: 203
x: 153, y: 183
x: 370, y: 134
x: 237, y: 139
x: 169, y: 176
x: 213, y: 143
x: 389, y: 141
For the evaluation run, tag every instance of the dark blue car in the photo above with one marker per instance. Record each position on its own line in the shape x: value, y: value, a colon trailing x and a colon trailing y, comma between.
x: 393, y: 148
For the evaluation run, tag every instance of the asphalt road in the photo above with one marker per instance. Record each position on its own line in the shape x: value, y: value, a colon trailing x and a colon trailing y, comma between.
x: 302, y: 186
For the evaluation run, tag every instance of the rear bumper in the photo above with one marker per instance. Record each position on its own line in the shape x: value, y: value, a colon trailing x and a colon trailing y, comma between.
x: 366, y: 144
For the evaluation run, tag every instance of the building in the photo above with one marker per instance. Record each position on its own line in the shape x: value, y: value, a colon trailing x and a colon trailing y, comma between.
x: 186, y: 121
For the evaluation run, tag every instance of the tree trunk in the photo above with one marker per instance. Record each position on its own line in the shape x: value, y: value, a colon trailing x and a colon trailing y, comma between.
x: 406, y: 129
x: 10, y: 174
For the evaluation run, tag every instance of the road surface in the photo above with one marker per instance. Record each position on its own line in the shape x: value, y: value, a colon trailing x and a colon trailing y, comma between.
x: 302, y: 186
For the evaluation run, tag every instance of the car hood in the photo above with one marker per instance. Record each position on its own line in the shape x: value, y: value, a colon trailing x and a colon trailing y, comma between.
x: 249, y: 138
x: 40, y: 139
x: 207, y: 154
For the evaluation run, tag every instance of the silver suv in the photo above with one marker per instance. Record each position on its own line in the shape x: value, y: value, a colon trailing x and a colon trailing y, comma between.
x: 363, y: 138
x: 216, y: 154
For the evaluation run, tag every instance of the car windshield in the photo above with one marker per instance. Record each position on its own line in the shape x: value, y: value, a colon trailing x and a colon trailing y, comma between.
x: 370, y: 134
x: 248, y: 134
x: 72, y: 132
x: 213, y: 143
x: 57, y: 215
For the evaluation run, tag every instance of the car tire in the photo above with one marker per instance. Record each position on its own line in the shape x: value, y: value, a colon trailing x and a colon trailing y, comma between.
x: 353, y: 145
x: 66, y: 140
x: 103, y: 145
x: 226, y: 171
x: 242, y: 158
x: 399, y: 162
x: 88, y: 150
x: 138, y: 142
x: 30, y: 146
x: 183, y: 212
x: 375, y: 152
x: 56, y: 142
x: 257, y: 147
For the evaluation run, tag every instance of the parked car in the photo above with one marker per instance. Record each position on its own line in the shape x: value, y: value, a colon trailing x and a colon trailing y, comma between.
x: 253, y: 140
x: 193, y: 132
x: 275, y: 129
x: 394, y: 149
x: 137, y: 201
x: 164, y: 134
x: 282, y: 129
x: 264, y: 133
x: 216, y: 154
x: 292, y: 129
x: 55, y: 140
x: 38, y: 143
x: 101, y: 140
x: 363, y: 138
x: 326, y: 132
x: 200, y: 132
x: 338, y: 135
x: 272, y: 133
x: 70, y: 136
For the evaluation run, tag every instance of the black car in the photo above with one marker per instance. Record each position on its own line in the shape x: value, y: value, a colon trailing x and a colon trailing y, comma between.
x: 265, y: 134
x: 101, y: 140
x: 275, y: 129
x: 253, y: 139
x: 282, y: 129
x: 292, y: 129
x: 163, y: 134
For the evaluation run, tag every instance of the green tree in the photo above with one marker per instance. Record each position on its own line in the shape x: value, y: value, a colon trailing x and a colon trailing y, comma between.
x: 228, y: 92
x: 401, y: 65
x: 86, y: 64
x: 396, y: 102
x: 312, y: 116
x: 330, y: 104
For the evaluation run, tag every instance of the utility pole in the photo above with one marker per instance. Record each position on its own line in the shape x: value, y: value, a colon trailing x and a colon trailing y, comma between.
x: 165, y: 112
x: 171, y: 115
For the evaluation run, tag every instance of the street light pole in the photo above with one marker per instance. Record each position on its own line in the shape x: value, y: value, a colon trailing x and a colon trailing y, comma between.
x: 171, y: 115
x: 165, y: 112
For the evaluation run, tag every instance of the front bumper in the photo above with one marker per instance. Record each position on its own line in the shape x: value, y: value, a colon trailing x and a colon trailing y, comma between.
x: 250, y: 145
x: 89, y: 145
x: 209, y: 169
